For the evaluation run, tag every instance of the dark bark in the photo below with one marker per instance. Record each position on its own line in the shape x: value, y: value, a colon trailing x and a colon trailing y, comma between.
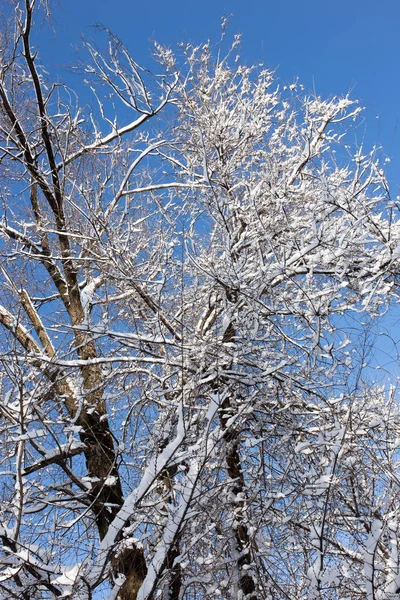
x: 234, y: 469
x: 99, y: 451
x: 246, y: 582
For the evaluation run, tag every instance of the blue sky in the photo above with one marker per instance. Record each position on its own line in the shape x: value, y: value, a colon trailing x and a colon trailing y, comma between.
x: 332, y: 47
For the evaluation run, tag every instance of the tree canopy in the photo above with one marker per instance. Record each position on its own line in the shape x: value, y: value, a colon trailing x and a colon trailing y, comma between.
x: 185, y: 410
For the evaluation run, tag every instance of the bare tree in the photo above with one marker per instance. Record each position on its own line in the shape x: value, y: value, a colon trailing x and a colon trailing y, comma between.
x: 184, y: 412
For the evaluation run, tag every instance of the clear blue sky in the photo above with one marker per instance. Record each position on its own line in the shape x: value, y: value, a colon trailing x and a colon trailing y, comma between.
x: 333, y: 47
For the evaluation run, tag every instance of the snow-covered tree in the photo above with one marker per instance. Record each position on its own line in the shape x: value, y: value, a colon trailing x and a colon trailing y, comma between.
x: 185, y: 410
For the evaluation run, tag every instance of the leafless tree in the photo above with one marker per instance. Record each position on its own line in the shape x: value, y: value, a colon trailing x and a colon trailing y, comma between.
x: 184, y: 413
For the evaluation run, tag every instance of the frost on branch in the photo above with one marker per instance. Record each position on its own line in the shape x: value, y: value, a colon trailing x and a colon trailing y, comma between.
x: 190, y: 271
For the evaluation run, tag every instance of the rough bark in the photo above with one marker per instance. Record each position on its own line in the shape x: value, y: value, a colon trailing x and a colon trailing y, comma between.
x: 99, y: 448
x: 234, y: 469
